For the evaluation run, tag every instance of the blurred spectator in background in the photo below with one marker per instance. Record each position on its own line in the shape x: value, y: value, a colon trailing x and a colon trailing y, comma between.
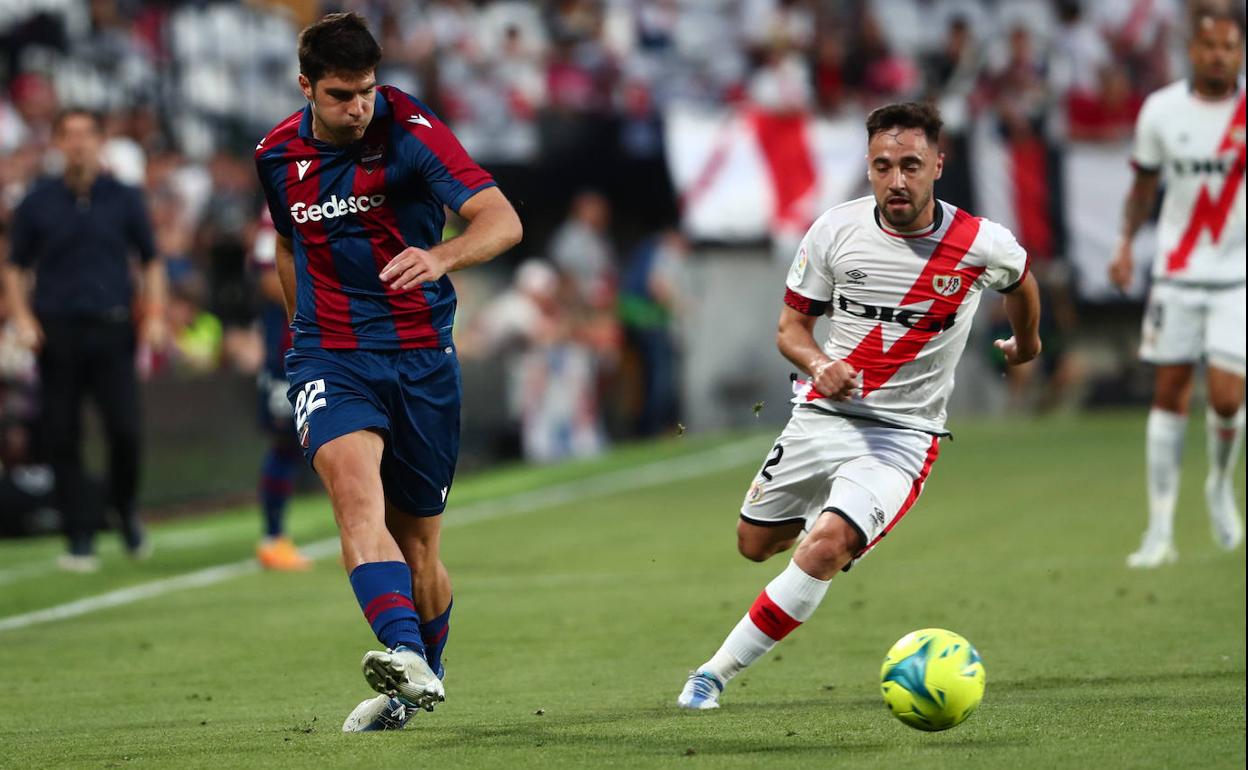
x: 585, y: 258
x: 77, y: 233
x: 25, y: 486
x: 1020, y: 93
x: 1139, y: 35
x: 283, y: 459
x: 952, y: 75
x: 881, y: 73
x: 221, y: 247
x: 652, y: 296
x: 581, y: 250
x: 551, y: 388
x: 195, y: 333
x: 1108, y: 114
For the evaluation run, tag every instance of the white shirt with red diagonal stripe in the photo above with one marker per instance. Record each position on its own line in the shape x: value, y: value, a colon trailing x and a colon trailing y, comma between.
x: 900, y: 306
x: 1198, y: 146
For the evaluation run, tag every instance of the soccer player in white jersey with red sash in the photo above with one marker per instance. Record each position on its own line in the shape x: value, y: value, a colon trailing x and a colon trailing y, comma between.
x: 900, y: 274
x: 1190, y: 136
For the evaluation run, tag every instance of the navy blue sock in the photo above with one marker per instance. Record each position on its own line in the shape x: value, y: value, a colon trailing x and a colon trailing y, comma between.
x: 277, y: 483
x: 434, y: 634
x: 384, y: 590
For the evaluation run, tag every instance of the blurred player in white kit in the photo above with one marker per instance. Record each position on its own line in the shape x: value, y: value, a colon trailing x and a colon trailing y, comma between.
x: 1190, y: 136
x: 900, y: 274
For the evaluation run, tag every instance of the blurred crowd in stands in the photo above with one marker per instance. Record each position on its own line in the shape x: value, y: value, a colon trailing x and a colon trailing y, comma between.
x: 563, y: 101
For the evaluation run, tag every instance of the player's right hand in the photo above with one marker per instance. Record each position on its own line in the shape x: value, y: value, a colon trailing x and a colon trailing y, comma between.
x: 27, y: 331
x: 836, y: 380
x: 1121, y: 267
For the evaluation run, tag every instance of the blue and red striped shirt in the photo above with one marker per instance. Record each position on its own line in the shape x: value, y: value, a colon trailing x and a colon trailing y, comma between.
x: 350, y: 210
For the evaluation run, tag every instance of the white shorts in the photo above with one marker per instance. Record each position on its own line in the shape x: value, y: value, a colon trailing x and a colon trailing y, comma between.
x: 1184, y: 324
x: 867, y: 473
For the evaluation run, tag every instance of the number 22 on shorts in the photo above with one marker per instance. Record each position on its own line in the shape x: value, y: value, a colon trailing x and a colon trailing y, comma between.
x: 311, y: 398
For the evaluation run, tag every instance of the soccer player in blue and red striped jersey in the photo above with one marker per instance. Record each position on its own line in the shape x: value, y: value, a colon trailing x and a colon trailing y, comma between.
x: 357, y: 182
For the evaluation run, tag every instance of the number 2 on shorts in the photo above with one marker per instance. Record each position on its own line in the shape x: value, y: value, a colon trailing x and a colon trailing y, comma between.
x: 308, y: 401
x: 772, y: 462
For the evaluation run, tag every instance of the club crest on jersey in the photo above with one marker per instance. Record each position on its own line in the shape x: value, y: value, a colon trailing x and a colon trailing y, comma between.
x: 946, y: 285
x: 756, y: 492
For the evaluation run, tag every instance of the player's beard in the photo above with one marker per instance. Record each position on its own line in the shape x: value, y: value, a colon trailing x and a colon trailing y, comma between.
x: 904, y: 219
x: 1217, y: 86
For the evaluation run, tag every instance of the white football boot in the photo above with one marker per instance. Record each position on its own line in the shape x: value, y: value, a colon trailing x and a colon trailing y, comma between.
x: 701, y: 692
x: 1153, y: 552
x: 381, y: 712
x: 404, y: 674
x: 1224, y: 520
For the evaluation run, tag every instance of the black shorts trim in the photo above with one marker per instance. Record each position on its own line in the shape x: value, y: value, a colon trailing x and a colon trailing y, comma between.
x: 861, y: 535
x: 781, y: 523
x: 1176, y: 362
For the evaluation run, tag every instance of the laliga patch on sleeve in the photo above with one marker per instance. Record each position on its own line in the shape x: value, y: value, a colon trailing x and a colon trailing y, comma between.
x: 798, y: 271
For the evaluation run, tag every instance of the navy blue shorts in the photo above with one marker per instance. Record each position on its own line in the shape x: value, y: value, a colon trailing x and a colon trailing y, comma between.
x: 411, y: 397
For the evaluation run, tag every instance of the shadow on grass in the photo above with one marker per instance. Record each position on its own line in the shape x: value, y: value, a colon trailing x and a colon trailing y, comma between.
x: 755, y: 731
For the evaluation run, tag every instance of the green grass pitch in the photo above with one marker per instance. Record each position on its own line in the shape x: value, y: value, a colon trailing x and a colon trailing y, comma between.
x: 577, y: 619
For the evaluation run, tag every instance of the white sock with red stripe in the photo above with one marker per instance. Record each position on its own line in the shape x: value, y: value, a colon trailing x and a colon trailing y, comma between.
x: 1223, y: 435
x: 1165, y: 457
x: 787, y: 602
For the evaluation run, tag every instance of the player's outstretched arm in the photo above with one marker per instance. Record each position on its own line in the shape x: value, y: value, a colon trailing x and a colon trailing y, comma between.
x: 493, y: 227
x: 285, y: 260
x: 795, y: 337
x: 1135, y: 213
x: 1022, y: 307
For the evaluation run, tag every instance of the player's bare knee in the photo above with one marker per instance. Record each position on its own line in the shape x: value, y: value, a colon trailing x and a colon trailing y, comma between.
x: 761, y: 543
x: 832, y: 543
x: 1226, y: 401
x: 753, y: 549
x: 1226, y: 407
x: 830, y: 550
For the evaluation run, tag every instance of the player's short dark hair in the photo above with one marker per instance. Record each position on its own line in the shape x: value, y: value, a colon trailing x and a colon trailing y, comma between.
x: 339, y: 43
x: 906, y: 115
x: 1216, y: 12
x: 96, y: 118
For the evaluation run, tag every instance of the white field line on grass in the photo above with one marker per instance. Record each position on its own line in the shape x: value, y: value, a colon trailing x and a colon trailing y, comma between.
x: 601, y: 485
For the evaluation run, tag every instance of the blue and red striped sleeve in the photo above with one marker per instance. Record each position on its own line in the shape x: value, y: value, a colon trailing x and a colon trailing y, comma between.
x: 268, y: 156
x: 427, y: 144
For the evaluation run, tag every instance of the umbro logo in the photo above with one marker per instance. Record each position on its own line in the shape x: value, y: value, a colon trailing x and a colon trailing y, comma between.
x: 877, y: 516
x: 302, y: 167
x: 420, y: 120
x: 856, y: 275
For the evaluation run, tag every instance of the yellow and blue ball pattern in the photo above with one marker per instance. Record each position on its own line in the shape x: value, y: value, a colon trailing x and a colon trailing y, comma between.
x: 932, y: 679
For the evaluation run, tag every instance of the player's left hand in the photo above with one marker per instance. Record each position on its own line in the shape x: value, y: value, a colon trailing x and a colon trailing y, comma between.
x: 1016, y: 354
x: 153, y: 332
x: 412, y: 267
